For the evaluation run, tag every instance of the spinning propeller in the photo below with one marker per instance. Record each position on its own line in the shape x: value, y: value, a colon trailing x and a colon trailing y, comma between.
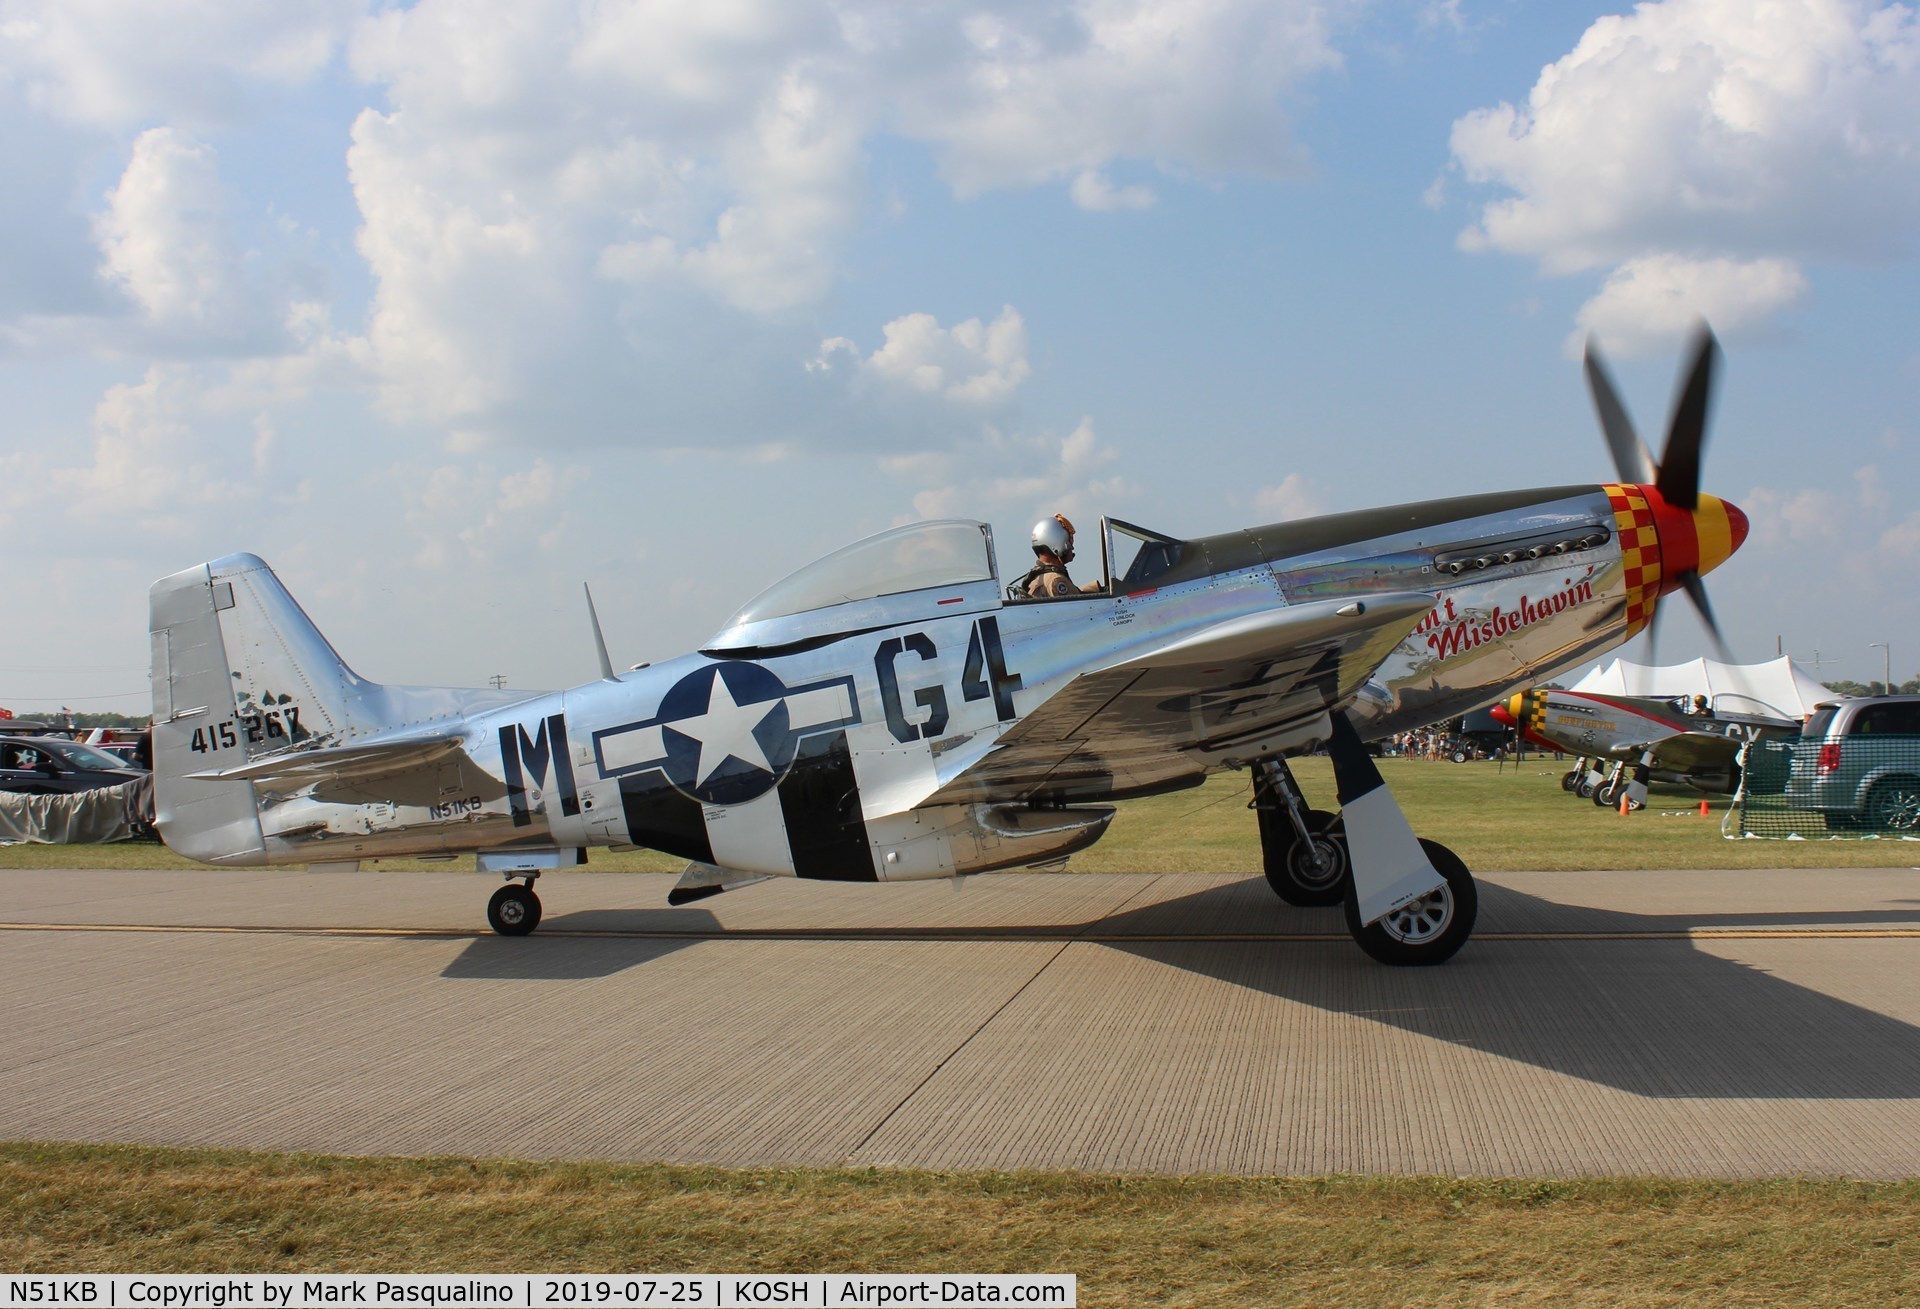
x: 1696, y: 532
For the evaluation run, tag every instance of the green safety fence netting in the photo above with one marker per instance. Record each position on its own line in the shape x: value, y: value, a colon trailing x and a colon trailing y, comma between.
x: 1861, y: 786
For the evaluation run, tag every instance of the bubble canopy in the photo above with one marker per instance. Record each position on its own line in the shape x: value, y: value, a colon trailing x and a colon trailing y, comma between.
x: 919, y: 556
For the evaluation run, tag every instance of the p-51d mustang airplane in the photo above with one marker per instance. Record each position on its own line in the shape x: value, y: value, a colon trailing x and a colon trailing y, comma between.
x: 893, y: 712
x: 1644, y: 739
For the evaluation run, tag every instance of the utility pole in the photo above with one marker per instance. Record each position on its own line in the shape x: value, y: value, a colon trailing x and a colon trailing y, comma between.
x: 497, y: 681
x: 1886, y: 648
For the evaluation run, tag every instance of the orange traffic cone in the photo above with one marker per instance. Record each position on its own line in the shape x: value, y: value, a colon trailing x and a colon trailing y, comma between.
x: 1705, y: 812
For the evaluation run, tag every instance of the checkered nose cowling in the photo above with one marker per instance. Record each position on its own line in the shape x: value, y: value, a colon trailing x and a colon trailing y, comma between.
x: 1524, y: 710
x: 1660, y: 543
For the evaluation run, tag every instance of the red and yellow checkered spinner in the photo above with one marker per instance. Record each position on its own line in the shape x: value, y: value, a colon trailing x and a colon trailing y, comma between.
x: 1661, y: 543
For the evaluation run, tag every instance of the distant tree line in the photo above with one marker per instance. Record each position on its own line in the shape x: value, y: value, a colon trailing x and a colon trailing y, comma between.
x: 1843, y: 687
x: 83, y: 722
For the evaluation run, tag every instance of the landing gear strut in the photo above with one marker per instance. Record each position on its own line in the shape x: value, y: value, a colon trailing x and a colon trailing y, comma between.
x: 1304, y: 850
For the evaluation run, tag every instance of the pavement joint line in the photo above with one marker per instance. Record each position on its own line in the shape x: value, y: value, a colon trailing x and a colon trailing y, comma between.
x: 960, y: 935
x: 986, y: 1022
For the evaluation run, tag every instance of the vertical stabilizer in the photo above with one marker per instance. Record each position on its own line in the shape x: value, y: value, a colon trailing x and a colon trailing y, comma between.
x: 193, y: 700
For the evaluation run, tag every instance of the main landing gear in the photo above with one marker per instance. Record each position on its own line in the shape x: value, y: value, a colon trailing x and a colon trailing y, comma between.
x: 1305, y: 850
x: 1407, y: 901
x: 1625, y: 783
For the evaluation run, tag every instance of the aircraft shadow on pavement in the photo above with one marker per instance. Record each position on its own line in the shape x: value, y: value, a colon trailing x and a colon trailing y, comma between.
x: 572, y: 958
x: 1657, y: 1018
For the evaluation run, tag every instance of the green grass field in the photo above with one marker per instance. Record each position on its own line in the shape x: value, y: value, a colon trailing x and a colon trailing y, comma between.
x: 1497, y: 819
x: 1133, y: 1241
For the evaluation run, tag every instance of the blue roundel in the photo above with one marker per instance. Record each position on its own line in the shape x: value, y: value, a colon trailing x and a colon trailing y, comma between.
x: 726, y: 732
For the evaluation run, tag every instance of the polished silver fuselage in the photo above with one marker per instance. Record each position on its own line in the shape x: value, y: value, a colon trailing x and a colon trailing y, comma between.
x: 869, y: 740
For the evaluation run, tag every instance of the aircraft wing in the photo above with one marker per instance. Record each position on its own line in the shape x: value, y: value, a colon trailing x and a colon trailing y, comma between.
x: 1163, y: 717
x: 357, y: 762
x: 1696, y: 752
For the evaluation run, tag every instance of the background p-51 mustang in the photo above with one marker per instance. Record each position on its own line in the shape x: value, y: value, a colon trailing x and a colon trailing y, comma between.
x: 1644, y: 739
x: 896, y: 711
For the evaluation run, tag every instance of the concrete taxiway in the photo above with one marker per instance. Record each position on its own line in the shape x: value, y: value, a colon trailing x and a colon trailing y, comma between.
x: 1720, y: 1023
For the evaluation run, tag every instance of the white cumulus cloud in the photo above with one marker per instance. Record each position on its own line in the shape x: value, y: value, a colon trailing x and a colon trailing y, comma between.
x: 112, y: 63
x: 1092, y: 190
x: 162, y: 462
x: 1648, y: 303
x: 167, y: 241
x: 1710, y: 147
x: 1294, y: 497
x: 1019, y: 476
x: 973, y: 362
x: 571, y: 210
x: 618, y: 223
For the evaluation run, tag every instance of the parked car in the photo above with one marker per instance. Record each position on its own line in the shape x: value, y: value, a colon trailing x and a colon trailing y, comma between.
x: 51, y: 765
x: 1859, y: 763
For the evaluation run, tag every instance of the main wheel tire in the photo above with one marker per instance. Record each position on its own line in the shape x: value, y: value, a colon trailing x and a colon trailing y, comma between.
x: 1429, y: 930
x: 514, y: 910
x: 1585, y: 789
x: 1569, y: 780
x: 1894, y: 806
x: 1607, y: 794
x: 1291, y: 871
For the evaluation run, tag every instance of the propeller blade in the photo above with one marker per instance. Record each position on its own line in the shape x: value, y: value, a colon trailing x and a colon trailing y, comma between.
x: 1679, y: 480
x: 1697, y: 592
x: 1630, y: 453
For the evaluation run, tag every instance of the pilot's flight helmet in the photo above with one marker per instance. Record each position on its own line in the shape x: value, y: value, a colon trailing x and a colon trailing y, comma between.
x: 1054, y: 536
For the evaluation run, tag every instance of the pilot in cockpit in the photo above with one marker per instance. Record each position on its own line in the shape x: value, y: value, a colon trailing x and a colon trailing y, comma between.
x: 1052, y: 552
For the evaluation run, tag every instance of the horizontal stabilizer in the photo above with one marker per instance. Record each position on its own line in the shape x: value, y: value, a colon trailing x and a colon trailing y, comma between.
x: 361, y: 761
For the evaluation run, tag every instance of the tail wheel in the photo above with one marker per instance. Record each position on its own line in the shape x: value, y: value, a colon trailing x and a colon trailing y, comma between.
x: 514, y: 910
x: 1428, y: 931
x: 1292, y: 872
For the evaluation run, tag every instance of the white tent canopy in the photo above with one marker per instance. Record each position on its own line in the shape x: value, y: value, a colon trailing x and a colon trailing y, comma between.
x: 1777, y: 689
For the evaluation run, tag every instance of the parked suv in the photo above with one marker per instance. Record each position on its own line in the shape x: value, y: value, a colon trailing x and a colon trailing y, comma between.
x: 1859, y: 763
x: 45, y: 765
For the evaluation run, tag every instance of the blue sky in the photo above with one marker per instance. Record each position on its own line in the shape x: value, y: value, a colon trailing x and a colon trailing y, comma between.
x: 444, y: 309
